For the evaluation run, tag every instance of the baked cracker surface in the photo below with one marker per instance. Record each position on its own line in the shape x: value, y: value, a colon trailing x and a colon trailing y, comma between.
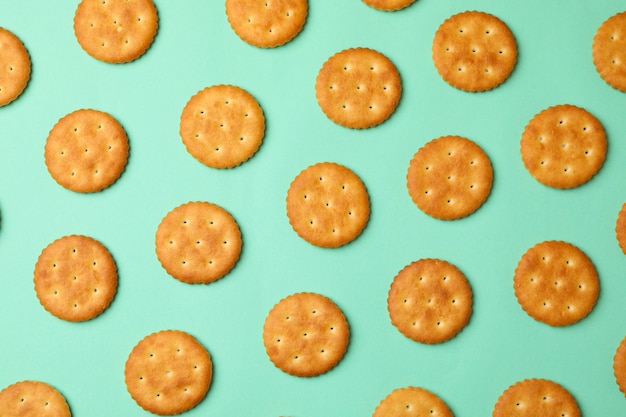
x: 609, y: 51
x: 32, y: 399
x: 619, y: 366
x: 412, y: 402
x: 16, y: 67
x: 536, y: 397
x: 388, y: 5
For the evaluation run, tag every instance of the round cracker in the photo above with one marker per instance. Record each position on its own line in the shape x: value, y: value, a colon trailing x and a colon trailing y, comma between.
x: 536, y: 397
x: 474, y: 51
x: 609, y: 51
x: 358, y: 88
x: 328, y: 205
x: 388, y: 5
x: 305, y: 334
x: 75, y: 278
x: 222, y: 126
x: 449, y: 177
x: 620, y: 228
x: 115, y: 31
x: 198, y: 242
x: 556, y: 283
x: 430, y: 301
x: 168, y: 372
x: 619, y: 366
x: 86, y: 151
x: 33, y: 399
x: 563, y: 146
x: 266, y: 23
x: 412, y: 402
x: 16, y: 67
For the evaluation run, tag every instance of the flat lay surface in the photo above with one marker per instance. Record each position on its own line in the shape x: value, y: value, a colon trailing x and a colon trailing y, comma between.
x: 194, y: 48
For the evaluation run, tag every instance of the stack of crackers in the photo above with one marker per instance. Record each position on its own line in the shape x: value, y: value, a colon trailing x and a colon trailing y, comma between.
x: 327, y: 206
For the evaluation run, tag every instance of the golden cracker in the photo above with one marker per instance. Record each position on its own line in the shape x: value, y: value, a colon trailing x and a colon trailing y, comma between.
x: 222, y: 126
x: 563, y: 146
x: 474, y: 51
x: 86, y: 151
x: 388, y: 5
x: 115, y: 31
x: 305, y: 334
x: 75, y: 278
x: 33, y: 399
x: 556, y: 283
x: 430, y: 301
x: 198, y: 242
x: 535, y: 397
x: 266, y: 23
x: 619, y: 366
x: 328, y: 205
x: 412, y: 402
x: 609, y: 51
x: 449, y: 177
x: 620, y: 228
x: 15, y: 74
x: 358, y: 88
x: 168, y: 372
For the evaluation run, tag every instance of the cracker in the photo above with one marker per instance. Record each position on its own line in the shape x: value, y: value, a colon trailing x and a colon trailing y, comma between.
x: 563, y: 146
x: 115, y: 31
x: 75, y: 278
x: 266, y: 23
x: 33, y: 399
x: 388, y: 5
x: 474, y: 51
x: 198, y: 242
x: 620, y: 228
x: 430, y: 301
x: 412, y: 402
x: 15, y: 73
x: 86, y: 151
x: 222, y: 126
x: 305, y: 334
x: 619, y: 366
x: 556, y: 283
x: 328, y: 205
x: 609, y: 51
x: 168, y: 372
x: 449, y: 177
x: 536, y: 397
x: 358, y: 88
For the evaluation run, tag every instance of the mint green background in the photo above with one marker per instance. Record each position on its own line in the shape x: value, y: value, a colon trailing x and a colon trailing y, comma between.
x: 195, y: 47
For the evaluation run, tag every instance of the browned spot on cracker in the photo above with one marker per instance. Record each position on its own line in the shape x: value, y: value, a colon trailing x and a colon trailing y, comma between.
x: 358, y: 88
x: 32, y: 399
x: 86, y: 151
x: 14, y: 67
x: 474, y: 51
x: 620, y: 228
x: 609, y: 51
x: 75, y: 278
x: 412, y: 402
x: 556, y: 283
x: 198, y: 242
x: 168, y: 372
x: 430, y: 301
x: 222, y: 126
x: 328, y: 205
x: 305, y: 334
x: 534, y: 397
x: 266, y: 23
x: 449, y: 177
x: 619, y: 366
x: 563, y: 146
x: 388, y: 5
x: 115, y: 31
